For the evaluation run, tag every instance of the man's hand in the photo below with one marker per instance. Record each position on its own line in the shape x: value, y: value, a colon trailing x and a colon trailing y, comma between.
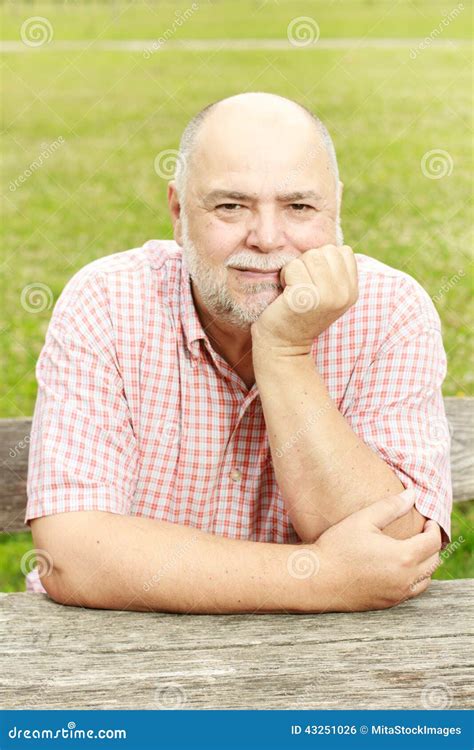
x: 318, y: 288
x: 365, y: 569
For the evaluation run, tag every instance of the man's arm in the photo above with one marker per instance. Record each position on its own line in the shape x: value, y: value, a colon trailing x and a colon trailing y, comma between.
x: 327, y: 471
x: 111, y: 561
x: 324, y: 470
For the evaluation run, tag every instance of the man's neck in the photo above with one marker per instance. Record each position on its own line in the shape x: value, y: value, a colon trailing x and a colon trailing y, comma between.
x: 232, y: 343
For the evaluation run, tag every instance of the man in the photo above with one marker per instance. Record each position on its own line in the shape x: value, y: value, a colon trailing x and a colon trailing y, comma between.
x: 227, y: 422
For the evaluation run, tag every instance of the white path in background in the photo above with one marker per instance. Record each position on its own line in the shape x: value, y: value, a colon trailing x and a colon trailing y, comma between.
x: 140, y: 45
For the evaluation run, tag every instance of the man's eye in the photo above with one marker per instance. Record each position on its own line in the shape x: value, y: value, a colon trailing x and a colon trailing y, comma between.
x: 300, y: 206
x: 229, y: 206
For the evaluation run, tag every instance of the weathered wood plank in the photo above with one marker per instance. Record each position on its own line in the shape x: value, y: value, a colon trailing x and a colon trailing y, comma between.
x: 416, y: 655
x: 14, y: 439
x: 460, y: 413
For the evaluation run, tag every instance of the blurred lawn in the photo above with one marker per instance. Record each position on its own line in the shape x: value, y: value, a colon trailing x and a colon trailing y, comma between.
x: 99, y: 194
x: 225, y: 19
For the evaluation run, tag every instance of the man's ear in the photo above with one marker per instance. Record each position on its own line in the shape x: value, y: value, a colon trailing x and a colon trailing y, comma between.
x: 175, y: 211
x: 340, y: 188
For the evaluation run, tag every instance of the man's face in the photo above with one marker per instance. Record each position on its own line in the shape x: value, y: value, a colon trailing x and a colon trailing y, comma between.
x: 257, y: 196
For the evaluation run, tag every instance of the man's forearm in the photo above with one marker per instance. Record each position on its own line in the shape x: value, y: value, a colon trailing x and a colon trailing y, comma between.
x: 324, y: 470
x: 109, y: 561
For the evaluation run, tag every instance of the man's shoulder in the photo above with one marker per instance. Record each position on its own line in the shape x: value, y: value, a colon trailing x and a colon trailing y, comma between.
x: 136, y: 265
x: 373, y: 270
x: 120, y: 281
x: 153, y: 254
x: 395, y: 292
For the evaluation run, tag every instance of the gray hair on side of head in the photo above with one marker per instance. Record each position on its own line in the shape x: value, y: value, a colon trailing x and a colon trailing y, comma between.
x: 188, y: 140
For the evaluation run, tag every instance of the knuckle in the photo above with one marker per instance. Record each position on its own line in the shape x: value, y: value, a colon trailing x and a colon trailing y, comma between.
x: 406, y: 560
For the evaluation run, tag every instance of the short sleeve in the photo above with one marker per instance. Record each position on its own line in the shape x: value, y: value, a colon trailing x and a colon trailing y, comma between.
x: 397, y: 406
x: 83, y: 451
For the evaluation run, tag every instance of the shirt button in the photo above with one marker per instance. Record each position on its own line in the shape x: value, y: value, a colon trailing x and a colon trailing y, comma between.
x: 235, y: 475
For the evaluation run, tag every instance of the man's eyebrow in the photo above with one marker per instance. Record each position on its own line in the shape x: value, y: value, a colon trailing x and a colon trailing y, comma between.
x: 300, y: 195
x: 294, y: 197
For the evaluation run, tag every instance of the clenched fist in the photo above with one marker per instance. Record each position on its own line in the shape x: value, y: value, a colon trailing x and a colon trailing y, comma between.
x: 318, y: 288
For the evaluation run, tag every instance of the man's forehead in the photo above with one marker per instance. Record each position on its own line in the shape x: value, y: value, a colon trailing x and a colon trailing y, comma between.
x: 284, y: 196
x: 279, y: 170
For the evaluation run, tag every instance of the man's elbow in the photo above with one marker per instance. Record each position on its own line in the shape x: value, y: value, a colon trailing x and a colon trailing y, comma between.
x: 62, y: 592
x: 68, y: 577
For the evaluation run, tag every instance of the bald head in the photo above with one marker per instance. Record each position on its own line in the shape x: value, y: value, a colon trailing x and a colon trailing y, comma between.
x: 251, y: 116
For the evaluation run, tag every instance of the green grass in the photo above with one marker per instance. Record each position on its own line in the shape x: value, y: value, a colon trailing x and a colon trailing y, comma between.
x: 237, y: 20
x: 99, y: 193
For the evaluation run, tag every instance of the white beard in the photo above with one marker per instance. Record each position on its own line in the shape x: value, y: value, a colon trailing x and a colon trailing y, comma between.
x: 212, y: 283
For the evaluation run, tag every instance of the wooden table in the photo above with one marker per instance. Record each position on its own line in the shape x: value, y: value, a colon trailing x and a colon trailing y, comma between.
x: 416, y: 655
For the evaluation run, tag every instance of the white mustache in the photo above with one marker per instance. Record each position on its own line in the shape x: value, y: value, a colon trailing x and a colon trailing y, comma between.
x: 257, y: 265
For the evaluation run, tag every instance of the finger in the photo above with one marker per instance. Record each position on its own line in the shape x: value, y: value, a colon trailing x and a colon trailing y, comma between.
x: 417, y: 588
x: 318, y: 268
x: 350, y: 260
x: 295, y: 272
x: 336, y: 261
x: 351, y: 263
x: 428, y: 567
x: 388, y: 509
x: 327, y: 263
x: 426, y: 543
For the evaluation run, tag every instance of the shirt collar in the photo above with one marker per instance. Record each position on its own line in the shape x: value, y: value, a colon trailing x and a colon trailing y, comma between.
x: 192, y: 326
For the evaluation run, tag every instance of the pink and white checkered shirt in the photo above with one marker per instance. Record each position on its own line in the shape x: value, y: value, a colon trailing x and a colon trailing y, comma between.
x: 137, y: 414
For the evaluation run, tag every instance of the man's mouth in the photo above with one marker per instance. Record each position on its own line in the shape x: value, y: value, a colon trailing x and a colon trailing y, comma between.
x: 254, y: 273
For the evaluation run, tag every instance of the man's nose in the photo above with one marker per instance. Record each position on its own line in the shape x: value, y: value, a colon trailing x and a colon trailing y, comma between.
x: 266, y: 231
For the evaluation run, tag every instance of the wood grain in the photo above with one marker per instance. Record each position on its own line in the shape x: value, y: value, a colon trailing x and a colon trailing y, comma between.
x: 416, y: 655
